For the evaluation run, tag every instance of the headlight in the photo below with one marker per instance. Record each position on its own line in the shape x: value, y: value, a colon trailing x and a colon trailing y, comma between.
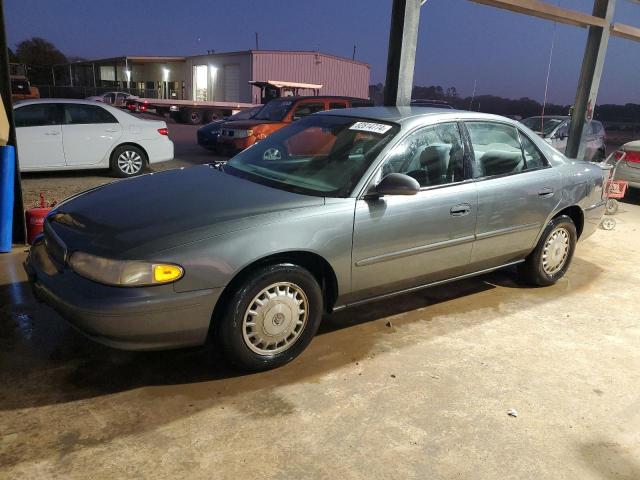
x: 242, y: 133
x: 124, y: 273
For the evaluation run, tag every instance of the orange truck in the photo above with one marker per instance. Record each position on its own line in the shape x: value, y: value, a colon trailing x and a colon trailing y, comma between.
x: 21, y: 89
x: 237, y: 135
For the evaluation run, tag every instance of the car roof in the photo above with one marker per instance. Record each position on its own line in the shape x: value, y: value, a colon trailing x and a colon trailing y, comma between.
x: 557, y: 117
x: 410, y: 114
x: 57, y: 100
x: 319, y: 97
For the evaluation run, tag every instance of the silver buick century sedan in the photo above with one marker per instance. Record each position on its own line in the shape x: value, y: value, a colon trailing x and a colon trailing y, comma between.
x: 339, y: 208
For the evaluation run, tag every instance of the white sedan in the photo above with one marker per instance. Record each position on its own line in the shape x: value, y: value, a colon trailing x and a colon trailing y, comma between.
x: 59, y: 134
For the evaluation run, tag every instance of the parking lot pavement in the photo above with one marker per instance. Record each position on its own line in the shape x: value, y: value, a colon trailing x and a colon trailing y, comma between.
x: 60, y: 185
x: 415, y: 387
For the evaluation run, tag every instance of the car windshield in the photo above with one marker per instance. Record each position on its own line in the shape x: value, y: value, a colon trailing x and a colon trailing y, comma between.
x: 245, y: 114
x: 275, y: 110
x: 544, y: 125
x: 321, y: 155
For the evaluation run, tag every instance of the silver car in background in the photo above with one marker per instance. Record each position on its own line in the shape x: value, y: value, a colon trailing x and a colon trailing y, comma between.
x: 554, y: 129
x: 337, y: 209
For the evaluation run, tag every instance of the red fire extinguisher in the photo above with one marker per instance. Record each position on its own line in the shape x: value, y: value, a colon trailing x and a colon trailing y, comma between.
x: 35, y: 218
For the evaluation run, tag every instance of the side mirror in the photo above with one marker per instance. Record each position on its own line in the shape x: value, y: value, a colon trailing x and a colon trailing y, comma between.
x: 397, y: 184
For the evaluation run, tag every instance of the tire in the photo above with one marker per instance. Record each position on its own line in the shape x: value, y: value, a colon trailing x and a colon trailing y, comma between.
x: 210, y: 116
x: 263, y: 345
x: 612, y: 206
x: 128, y: 161
x: 192, y: 116
x: 550, y: 261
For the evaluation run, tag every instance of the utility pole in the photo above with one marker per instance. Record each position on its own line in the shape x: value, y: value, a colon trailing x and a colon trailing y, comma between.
x: 257, y: 42
x: 590, y: 75
x: 401, y: 57
x: 353, y: 55
x: 19, y: 234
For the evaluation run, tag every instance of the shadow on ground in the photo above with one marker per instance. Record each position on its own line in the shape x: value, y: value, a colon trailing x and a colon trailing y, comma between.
x: 49, y: 369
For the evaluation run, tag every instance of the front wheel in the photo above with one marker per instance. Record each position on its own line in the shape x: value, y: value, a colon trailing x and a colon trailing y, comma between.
x: 271, y: 318
x: 551, y: 258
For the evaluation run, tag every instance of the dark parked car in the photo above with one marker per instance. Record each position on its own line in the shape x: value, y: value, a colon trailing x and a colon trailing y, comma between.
x: 208, y: 135
x: 336, y: 209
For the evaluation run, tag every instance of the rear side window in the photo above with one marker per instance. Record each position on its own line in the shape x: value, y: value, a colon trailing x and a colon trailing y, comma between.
x: 336, y: 105
x: 306, y: 109
x: 496, y: 147
x: 86, y: 114
x: 532, y: 156
x: 37, y: 115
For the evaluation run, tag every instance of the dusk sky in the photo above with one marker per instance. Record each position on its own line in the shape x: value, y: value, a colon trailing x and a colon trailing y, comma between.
x: 506, y: 53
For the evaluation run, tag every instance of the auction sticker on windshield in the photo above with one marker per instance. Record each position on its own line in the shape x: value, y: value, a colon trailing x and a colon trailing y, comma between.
x: 370, y: 127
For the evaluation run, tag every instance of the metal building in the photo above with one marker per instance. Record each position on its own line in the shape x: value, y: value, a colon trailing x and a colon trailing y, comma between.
x: 223, y: 76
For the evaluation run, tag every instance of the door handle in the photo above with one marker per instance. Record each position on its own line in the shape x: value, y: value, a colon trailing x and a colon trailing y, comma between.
x: 460, y: 210
x: 545, y: 192
x: 52, y: 133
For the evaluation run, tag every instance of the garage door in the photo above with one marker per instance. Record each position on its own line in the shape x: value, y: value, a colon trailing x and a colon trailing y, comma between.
x: 232, y: 83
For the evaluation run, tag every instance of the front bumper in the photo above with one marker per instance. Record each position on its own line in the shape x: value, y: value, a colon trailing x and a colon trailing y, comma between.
x: 140, y: 318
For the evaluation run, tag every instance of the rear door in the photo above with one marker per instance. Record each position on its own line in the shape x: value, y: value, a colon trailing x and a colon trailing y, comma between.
x: 517, y: 191
x: 39, y: 135
x: 89, y: 134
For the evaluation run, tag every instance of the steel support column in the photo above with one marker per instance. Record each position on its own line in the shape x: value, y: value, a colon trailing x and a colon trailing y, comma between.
x: 19, y: 234
x: 403, y: 37
x: 590, y: 75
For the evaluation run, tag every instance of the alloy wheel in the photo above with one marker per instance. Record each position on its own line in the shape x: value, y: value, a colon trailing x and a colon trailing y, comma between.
x: 130, y: 162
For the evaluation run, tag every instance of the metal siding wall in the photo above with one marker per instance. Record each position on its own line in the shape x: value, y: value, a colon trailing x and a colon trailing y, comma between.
x: 338, y: 77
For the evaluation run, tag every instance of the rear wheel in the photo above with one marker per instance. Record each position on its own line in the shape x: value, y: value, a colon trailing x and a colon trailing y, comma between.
x: 271, y: 318
x: 210, y: 116
x: 551, y: 258
x: 128, y: 161
x: 192, y: 116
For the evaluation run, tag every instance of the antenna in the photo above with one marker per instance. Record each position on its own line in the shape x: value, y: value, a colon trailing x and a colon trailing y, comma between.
x: 473, y: 95
x: 257, y: 42
x: 353, y: 55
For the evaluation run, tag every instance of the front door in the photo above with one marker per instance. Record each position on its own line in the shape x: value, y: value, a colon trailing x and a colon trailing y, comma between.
x: 89, y: 134
x: 405, y: 241
x: 39, y: 136
x: 517, y: 191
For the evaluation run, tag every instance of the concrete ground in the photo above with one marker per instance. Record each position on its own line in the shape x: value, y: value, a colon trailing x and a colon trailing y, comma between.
x: 414, y: 387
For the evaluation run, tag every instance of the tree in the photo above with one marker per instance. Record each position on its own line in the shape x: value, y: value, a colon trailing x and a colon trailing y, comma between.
x: 12, y: 56
x: 38, y: 52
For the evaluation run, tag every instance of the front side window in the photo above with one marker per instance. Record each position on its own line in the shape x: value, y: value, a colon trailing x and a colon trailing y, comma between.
x: 432, y: 155
x: 275, y: 110
x: 323, y: 155
x: 37, y: 115
x: 86, y: 114
x: 496, y: 147
x: 307, y: 109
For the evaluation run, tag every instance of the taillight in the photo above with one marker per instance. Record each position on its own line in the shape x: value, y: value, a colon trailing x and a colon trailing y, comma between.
x: 632, y: 157
x: 163, y: 131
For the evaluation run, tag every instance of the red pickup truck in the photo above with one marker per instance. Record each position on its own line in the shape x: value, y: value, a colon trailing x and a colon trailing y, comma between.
x: 240, y: 134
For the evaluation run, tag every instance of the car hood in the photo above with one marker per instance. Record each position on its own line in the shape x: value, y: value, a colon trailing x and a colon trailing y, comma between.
x: 213, y: 126
x: 136, y: 217
x: 247, y: 124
